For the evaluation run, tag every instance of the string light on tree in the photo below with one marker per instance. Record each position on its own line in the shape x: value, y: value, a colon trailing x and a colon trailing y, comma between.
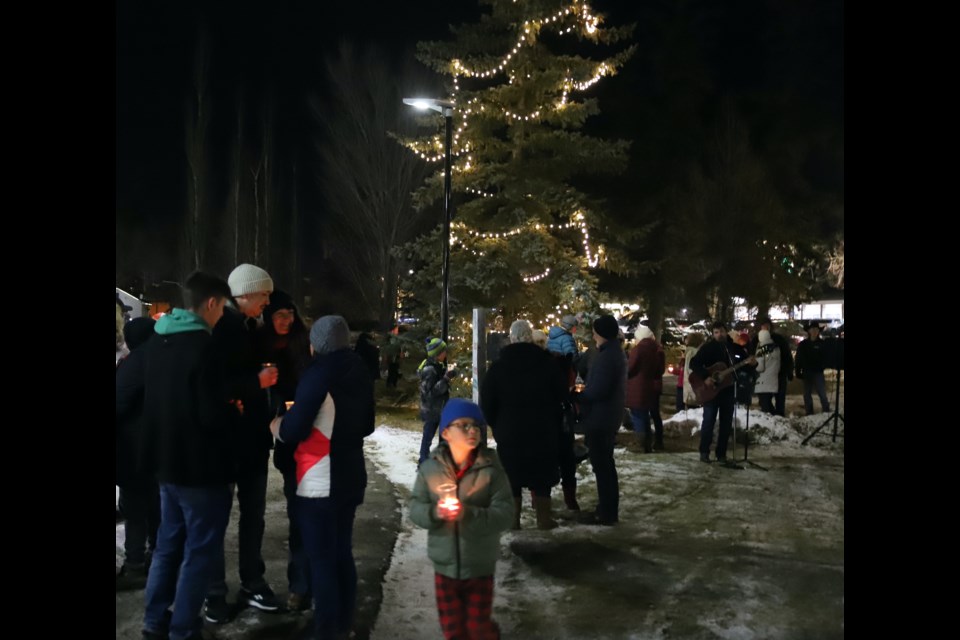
x: 510, y: 101
x: 529, y: 279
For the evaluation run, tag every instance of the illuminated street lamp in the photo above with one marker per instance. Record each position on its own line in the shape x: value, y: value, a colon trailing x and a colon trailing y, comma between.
x: 444, y: 107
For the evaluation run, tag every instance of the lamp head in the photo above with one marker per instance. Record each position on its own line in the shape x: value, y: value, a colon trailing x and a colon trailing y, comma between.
x: 429, y: 103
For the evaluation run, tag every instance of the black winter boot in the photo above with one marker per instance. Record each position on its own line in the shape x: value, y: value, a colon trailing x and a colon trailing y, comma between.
x: 570, y: 497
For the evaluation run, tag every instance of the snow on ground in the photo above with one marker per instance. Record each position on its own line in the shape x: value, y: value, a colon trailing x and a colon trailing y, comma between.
x: 409, y: 610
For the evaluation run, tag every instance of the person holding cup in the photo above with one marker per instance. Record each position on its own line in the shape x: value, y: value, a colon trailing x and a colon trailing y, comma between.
x: 284, y: 339
x: 462, y: 497
x: 247, y: 382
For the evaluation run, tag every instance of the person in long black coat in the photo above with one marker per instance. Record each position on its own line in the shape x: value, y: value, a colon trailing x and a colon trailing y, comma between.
x: 139, y: 491
x: 370, y: 352
x: 285, y: 340
x: 522, y: 400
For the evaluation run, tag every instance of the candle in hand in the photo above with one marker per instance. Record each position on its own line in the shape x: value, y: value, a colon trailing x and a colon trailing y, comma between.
x: 448, y: 506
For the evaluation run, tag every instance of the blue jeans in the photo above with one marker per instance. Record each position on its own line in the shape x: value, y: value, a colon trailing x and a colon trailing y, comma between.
x: 605, y: 469
x: 298, y: 565
x: 252, y: 498
x: 722, y: 405
x: 327, y: 528
x: 429, y: 430
x: 641, y: 420
x: 811, y: 380
x: 193, y: 521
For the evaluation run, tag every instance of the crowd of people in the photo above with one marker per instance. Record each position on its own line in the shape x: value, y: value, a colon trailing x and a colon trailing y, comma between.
x: 208, y: 390
x: 203, y: 395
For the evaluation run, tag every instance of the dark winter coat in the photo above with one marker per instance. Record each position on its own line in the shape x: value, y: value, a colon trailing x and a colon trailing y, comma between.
x: 333, y: 412
x: 810, y: 357
x: 434, y: 389
x: 370, y: 354
x: 291, y: 353
x: 469, y: 547
x: 712, y: 352
x: 522, y: 400
x: 645, y: 368
x: 188, y: 420
x: 130, y: 390
x: 602, y: 401
x: 236, y: 343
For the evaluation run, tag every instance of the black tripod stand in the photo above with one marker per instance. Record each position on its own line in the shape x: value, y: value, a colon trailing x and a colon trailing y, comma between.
x: 835, y: 416
x: 745, y: 386
x: 746, y: 443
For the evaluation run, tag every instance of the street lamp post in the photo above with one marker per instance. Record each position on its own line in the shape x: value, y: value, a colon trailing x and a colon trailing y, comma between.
x: 444, y: 107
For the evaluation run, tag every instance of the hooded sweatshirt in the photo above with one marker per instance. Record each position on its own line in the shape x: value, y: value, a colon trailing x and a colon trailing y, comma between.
x: 188, y: 419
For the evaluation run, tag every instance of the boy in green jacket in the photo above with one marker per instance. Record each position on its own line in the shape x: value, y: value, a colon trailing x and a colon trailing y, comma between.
x: 463, y: 498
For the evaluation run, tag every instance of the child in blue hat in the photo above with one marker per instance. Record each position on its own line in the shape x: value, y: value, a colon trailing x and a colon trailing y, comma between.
x: 463, y: 498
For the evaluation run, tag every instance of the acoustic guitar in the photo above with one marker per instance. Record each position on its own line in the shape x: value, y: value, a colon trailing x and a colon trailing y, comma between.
x: 722, y: 376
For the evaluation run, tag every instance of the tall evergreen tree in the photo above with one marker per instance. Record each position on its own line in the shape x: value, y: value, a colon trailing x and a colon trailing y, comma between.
x: 525, y: 232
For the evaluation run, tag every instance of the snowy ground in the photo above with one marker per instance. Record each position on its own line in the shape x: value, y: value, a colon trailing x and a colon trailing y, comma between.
x: 409, y: 610
x: 701, y: 551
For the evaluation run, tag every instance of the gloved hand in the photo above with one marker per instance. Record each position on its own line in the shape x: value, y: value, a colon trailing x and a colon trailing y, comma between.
x: 451, y: 373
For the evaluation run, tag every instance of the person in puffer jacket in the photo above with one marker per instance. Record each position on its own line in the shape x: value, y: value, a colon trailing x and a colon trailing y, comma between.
x: 434, y: 391
x: 463, y: 538
x: 560, y: 339
x: 333, y: 412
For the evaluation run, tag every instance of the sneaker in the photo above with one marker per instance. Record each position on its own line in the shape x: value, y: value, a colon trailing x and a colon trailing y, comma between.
x: 298, y: 602
x: 216, y: 610
x: 722, y: 460
x: 263, y: 599
x: 704, y: 457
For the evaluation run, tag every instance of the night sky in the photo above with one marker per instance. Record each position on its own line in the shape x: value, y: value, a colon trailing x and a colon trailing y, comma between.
x: 751, y: 46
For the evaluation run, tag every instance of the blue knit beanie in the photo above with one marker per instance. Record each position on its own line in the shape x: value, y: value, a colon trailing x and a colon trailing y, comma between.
x: 435, y: 346
x: 460, y: 408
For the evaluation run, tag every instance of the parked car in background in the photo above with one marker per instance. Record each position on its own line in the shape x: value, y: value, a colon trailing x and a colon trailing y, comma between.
x: 697, y: 327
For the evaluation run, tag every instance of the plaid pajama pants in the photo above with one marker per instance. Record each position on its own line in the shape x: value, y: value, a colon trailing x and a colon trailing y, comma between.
x: 465, y: 608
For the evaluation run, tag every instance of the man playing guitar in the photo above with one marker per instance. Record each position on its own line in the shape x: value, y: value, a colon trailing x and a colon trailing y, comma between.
x: 724, y: 352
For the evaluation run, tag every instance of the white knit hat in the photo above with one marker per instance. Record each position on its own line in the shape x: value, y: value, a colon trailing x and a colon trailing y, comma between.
x: 643, y: 332
x: 764, y: 337
x: 247, y: 278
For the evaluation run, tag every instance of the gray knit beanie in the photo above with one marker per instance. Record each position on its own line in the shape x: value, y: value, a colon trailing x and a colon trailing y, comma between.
x: 247, y: 279
x: 329, y: 333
